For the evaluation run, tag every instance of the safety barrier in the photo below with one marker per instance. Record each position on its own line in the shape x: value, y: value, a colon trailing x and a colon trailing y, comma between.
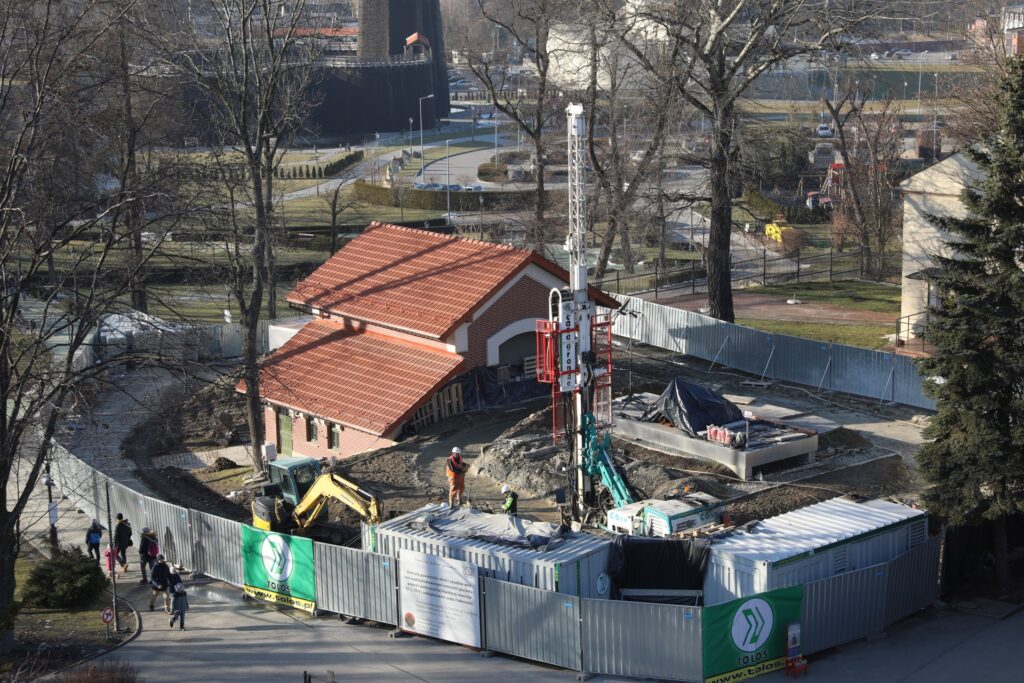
x: 822, y: 366
x: 616, y: 638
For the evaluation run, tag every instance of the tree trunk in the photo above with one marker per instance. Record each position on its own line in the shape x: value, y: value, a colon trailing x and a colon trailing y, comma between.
x: 253, y: 406
x: 268, y: 220
x: 1001, y: 552
x: 7, y: 558
x: 129, y: 184
x: 538, y: 236
x: 717, y: 255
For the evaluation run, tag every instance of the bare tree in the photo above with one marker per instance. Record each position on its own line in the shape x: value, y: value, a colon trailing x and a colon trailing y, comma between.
x: 870, y: 146
x: 55, y: 265
x: 719, y: 48
x: 532, y: 105
x: 254, y: 73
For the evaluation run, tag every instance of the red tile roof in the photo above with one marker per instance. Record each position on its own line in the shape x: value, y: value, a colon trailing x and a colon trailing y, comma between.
x: 415, y: 280
x: 363, y: 380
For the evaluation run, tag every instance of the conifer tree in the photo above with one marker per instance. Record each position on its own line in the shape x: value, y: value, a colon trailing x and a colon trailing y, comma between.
x: 974, y: 459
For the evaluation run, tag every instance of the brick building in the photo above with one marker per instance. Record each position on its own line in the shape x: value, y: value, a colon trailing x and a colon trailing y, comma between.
x: 400, y: 314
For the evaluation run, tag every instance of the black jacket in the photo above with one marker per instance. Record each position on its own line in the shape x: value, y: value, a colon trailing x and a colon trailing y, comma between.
x: 123, y: 534
x: 161, y: 576
x: 144, y: 544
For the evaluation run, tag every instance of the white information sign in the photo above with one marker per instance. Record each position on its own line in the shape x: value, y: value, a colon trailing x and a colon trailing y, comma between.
x: 439, y: 597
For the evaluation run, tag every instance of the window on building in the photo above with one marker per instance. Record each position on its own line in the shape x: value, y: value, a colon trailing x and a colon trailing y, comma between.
x: 334, y: 437
x: 311, y: 429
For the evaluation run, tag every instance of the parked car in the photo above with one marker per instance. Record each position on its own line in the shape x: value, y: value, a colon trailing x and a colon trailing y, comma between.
x: 951, y: 57
x: 874, y: 55
x: 823, y: 131
x: 452, y: 188
x: 474, y: 188
x: 420, y: 186
x: 433, y: 186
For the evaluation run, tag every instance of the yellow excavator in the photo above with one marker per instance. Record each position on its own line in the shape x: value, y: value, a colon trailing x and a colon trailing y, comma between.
x: 298, y: 494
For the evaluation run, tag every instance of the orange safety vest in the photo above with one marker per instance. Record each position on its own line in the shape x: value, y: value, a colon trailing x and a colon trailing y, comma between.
x: 455, y: 468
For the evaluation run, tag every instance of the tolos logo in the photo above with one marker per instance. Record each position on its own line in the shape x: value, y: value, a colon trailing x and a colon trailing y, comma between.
x: 277, y: 558
x: 752, y: 625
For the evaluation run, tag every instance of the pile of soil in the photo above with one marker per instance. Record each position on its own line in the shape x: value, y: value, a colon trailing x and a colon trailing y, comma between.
x: 524, y: 457
x: 213, y: 416
x: 842, y: 438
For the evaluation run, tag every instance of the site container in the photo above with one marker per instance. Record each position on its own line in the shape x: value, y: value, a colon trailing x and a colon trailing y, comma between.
x: 576, y: 566
x: 812, y: 543
x: 667, y: 517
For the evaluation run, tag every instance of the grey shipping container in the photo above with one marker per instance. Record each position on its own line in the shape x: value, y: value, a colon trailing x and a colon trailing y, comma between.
x: 812, y: 543
x: 575, y: 566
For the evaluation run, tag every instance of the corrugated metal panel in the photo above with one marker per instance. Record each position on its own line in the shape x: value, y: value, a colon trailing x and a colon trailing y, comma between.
x: 861, y: 372
x: 913, y: 581
x: 82, y: 485
x: 572, y: 568
x: 812, y: 527
x: 172, y: 527
x: 217, y: 547
x: 907, y: 385
x: 801, y: 360
x: 843, y: 608
x: 749, y: 350
x: 704, y: 336
x: 129, y: 503
x: 356, y: 583
x: 531, y: 623
x: 642, y: 640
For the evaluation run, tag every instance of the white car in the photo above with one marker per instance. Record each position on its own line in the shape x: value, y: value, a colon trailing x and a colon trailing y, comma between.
x: 874, y: 55
x: 823, y: 131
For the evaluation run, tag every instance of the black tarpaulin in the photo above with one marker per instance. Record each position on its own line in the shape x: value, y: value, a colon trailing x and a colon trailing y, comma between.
x: 691, y: 407
x: 653, y: 563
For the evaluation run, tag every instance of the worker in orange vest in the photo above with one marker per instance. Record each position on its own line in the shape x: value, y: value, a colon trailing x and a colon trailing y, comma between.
x: 456, y: 470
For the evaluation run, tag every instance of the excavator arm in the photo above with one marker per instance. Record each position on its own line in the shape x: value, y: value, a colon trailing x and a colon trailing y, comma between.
x: 597, y: 461
x: 328, y: 486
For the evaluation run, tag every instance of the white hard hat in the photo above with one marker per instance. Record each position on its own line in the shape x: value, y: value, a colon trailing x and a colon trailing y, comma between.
x: 505, y: 488
x: 457, y: 451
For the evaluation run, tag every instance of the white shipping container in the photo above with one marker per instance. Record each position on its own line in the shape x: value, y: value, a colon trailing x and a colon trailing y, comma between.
x: 809, y: 544
x: 667, y: 517
x: 576, y: 566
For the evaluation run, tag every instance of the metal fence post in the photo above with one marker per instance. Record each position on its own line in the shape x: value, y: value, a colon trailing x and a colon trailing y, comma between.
x: 655, y: 280
x: 764, y: 267
x: 693, y: 276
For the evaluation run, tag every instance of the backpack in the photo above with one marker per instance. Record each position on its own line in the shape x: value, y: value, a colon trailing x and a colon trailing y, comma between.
x: 153, y: 549
x: 93, y: 538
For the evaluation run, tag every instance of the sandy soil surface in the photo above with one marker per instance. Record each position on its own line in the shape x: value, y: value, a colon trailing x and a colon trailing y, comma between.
x: 773, y: 307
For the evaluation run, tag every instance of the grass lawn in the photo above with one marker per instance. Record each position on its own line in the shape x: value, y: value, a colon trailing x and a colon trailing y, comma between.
x: 855, y: 295
x: 315, y: 210
x: 865, y: 336
x: 69, y: 635
x: 206, y: 303
x: 223, y: 481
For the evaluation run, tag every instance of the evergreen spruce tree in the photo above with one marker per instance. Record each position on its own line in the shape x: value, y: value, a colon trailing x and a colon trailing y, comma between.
x: 974, y: 459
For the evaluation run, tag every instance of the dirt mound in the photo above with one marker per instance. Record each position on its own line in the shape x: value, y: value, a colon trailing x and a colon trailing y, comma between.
x: 531, y: 466
x: 842, y: 438
x: 213, y: 416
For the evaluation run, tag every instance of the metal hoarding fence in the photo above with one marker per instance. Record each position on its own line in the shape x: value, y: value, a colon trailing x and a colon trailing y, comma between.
x: 532, y: 623
x: 820, y: 365
x: 356, y: 583
x: 642, y: 640
x: 217, y: 547
x: 913, y: 581
x: 172, y: 528
x: 843, y: 608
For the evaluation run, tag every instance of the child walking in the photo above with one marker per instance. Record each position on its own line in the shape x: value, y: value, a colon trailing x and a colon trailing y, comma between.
x: 179, y: 605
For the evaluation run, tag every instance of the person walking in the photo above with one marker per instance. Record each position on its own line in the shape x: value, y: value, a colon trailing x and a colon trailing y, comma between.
x: 456, y: 470
x: 93, y: 536
x: 122, y: 541
x: 111, y: 556
x: 179, y: 605
x: 161, y: 582
x: 148, y: 551
x: 511, y: 505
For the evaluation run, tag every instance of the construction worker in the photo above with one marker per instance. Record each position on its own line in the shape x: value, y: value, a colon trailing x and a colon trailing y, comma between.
x: 456, y: 470
x: 511, y: 505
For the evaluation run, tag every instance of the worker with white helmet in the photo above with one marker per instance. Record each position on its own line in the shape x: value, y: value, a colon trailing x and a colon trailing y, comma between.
x: 456, y: 470
x: 511, y: 504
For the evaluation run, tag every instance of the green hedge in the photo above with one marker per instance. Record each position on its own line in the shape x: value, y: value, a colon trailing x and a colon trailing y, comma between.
x: 494, y: 173
x: 328, y: 170
x: 437, y: 200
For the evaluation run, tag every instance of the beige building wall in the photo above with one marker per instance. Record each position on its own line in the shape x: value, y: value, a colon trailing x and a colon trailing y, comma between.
x: 935, y: 191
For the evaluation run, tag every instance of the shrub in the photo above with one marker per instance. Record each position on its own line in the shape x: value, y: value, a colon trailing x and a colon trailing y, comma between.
x: 492, y: 172
x: 68, y: 579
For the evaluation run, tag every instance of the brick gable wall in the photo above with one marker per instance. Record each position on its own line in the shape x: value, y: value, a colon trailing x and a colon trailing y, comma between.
x: 526, y: 299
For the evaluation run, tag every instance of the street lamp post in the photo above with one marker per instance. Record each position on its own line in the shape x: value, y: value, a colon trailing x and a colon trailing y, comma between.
x: 316, y: 167
x: 448, y: 183
x: 409, y: 143
x: 50, y: 508
x: 935, y: 122
x: 425, y: 97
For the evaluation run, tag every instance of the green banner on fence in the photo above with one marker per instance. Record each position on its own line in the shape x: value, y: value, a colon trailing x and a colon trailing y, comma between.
x: 279, y: 568
x: 747, y: 637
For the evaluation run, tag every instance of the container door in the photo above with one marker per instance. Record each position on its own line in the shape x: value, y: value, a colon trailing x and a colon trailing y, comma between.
x: 284, y: 431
